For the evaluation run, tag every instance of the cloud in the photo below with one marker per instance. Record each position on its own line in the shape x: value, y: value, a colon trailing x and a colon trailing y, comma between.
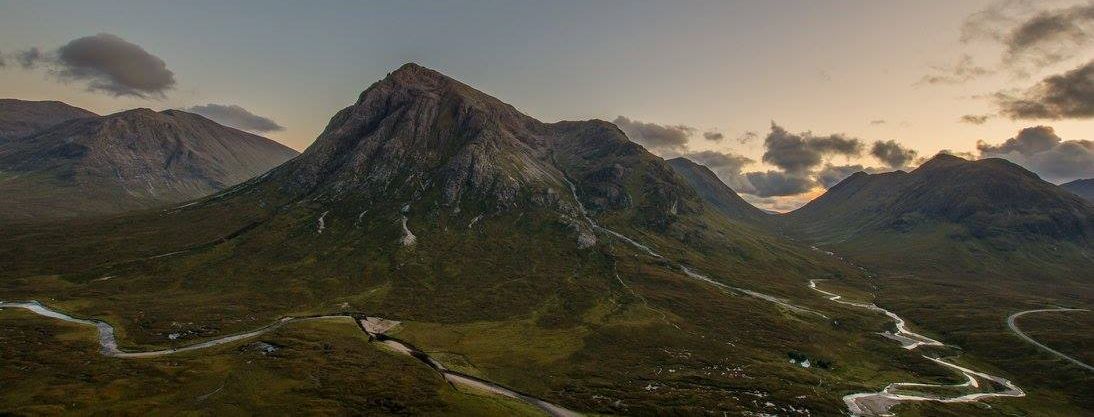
x: 959, y: 154
x: 832, y: 174
x: 892, y: 154
x: 237, y: 117
x: 713, y: 136
x: 963, y: 70
x: 1033, y: 33
x: 656, y: 136
x: 1064, y: 96
x: 799, y: 153
x: 3, y: 62
x: 115, y: 66
x: 30, y: 57
x: 1051, y: 36
x: 1040, y: 150
x: 726, y: 166
x: 975, y: 119
x: 778, y: 183
x: 106, y: 63
x: 781, y: 204
x: 747, y: 136
x: 878, y: 122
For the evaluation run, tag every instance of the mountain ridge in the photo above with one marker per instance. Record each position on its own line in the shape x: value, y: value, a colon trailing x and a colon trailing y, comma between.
x: 1083, y: 188
x: 20, y: 118
x: 128, y: 160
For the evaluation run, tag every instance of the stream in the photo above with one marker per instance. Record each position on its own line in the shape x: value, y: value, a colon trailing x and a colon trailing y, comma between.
x: 108, y: 346
x: 879, y: 403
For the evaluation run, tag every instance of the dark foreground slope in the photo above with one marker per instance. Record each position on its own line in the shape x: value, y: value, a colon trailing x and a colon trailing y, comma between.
x: 126, y: 161
x: 975, y: 240
x: 21, y: 118
x: 556, y: 259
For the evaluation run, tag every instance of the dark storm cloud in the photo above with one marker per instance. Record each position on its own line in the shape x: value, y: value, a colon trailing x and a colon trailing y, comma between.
x: 106, y: 63
x: 1064, y: 96
x: 1040, y: 150
x: 962, y: 71
x: 236, y: 116
x: 713, y: 136
x: 778, y: 183
x: 1051, y: 36
x: 726, y: 166
x: 799, y: 153
x: 975, y: 119
x: 115, y: 66
x: 653, y: 135
x: 892, y: 154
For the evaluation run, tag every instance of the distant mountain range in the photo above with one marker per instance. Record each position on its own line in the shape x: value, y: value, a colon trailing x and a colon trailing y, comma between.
x: 19, y: 118
x: 1081, y: 188
x: 66, y: 162
x: 559, y: 259
x: 987, y: 198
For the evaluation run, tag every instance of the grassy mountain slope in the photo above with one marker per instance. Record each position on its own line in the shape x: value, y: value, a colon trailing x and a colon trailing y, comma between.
x: 496, y: 239
x: 126, y: 161
x: 960, y: 245
x: 717, y: 193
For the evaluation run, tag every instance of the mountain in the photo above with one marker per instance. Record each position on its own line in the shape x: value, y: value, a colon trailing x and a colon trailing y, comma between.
x: 957, y: 246
x: 19, y: 118
x: 125, y: 161
x: 559, y: 259
x: 1081, y: 188
x: 989, y: 199
x: 716, y: 193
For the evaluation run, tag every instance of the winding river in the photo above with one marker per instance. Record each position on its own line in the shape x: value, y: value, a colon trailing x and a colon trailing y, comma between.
x: 879, y: 403
x: 108, y: 346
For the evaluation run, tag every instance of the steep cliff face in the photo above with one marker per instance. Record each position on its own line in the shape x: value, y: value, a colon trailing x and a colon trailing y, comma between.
x: 420, y: 139
x: 129, y: 160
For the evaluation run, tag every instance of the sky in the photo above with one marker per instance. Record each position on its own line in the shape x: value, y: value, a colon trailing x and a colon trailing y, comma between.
x: 780, y: 99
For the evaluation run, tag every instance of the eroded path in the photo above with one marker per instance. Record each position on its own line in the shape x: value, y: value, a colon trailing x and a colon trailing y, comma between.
x: 372, y: 326
x: 1011, y: 323
x: 977, y: 386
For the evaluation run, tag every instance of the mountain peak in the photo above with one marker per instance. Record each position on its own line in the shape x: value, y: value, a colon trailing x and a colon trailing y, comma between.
x: 943, y: 160
x: 20, y: 118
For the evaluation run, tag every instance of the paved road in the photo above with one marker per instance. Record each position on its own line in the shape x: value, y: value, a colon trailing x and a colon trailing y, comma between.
x: 1014, y: 328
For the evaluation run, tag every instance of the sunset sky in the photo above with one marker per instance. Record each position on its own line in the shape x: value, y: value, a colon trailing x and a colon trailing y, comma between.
x: 742, y: 80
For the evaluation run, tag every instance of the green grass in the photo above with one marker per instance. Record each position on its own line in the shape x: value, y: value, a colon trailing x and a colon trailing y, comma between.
x: 320, y: 368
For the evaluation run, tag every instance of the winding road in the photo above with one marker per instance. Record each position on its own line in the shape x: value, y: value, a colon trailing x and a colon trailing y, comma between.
x: 108, y: 346
x: 1011, y: 322
x: 879, y: 403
